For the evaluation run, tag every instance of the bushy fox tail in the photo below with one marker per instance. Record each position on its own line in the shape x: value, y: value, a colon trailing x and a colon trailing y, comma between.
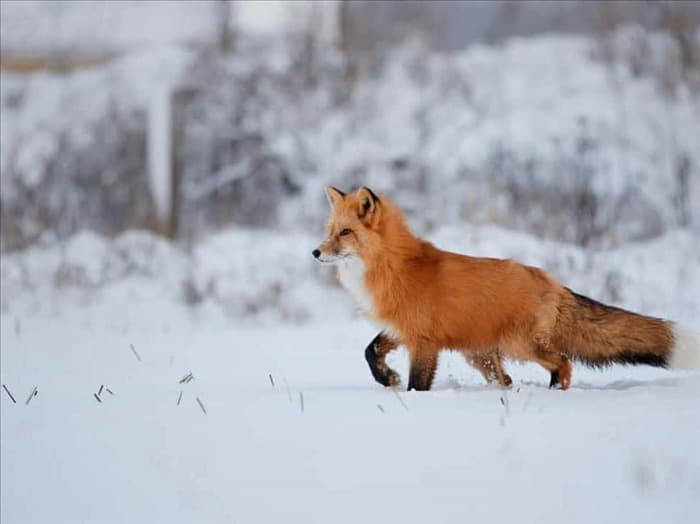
x: 599, y: 335
x: 685, y: 353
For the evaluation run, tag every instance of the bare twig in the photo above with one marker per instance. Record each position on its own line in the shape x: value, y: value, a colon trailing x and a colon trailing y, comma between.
x: 400, y: 399
x: 100, y: 391
x: 109, y: 391
x: 9, y: 394
x: 271, y: 380
x: 301, y: 400
x: 201, y: 405
x: 31, y: 396
x: 380, y: 408
x: 179, y: 398
x: 97, y: 397
x: 133, y: 350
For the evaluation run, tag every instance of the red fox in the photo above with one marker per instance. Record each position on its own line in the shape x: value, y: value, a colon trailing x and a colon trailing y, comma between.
x: 428, y: 300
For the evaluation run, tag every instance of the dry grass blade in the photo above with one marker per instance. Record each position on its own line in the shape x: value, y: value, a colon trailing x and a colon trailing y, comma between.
x: 31, y: 396
x: 100, y: 390
x: 9, y: 394
x: 400, y: 399
x: 179, y: 398
x: 187, y: 378
x: 133, y: 350
x: 201, y: 405
x: 271, y: 380
x: 109, y: 391
x: 97, y: 397
x: 506, y: 403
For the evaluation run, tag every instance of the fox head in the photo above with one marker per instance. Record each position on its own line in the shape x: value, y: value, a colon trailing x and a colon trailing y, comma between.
x: 352, y: 226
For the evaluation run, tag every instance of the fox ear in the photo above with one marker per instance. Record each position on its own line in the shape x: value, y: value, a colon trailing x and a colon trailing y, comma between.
x: 334, y: 195
x: 368, y: 202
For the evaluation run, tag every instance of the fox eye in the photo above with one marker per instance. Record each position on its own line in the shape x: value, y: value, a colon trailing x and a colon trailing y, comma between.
x: 345, y: 231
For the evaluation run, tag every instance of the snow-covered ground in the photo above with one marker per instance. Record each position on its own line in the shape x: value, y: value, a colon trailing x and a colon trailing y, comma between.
x: 324, y: 443
x: 564, y: 138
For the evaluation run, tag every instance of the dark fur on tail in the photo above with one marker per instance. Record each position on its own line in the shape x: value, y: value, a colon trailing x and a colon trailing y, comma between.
x: 599, y: 335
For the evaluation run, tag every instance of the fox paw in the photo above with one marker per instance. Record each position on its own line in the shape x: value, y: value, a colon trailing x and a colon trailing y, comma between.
x: 562, y: 376
x: 493, y: 378
x: 393, y: 379
x: 559, y: 382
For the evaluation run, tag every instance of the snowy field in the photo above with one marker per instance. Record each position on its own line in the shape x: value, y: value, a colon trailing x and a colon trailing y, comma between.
x: 225, y: 381
x: 324, y: 443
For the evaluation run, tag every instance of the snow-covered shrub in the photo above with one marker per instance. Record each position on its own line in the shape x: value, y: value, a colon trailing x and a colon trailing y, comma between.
x: 538, y: 134
x: 243, y: 273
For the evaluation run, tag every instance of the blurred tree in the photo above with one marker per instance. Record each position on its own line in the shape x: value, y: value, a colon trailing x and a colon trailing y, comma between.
x: 681, y: 20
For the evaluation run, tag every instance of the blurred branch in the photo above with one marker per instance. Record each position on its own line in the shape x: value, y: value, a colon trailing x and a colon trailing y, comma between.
x: 225, y: 30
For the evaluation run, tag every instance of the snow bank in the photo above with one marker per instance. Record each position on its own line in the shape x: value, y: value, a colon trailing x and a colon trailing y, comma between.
x: 272, y: 275
x: 240, y: 273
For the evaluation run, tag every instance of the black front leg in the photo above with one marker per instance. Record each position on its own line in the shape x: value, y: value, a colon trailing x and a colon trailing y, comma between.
x: 375, y: 354
x: 423, y: 367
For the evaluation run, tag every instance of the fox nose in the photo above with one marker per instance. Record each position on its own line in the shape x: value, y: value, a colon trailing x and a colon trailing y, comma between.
x: 316, y: 253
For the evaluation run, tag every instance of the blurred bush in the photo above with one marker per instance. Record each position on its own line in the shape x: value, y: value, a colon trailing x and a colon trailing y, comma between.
x: 588, y: 139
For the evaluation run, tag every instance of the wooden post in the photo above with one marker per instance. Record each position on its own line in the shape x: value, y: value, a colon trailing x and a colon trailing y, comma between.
x: 179, y: 100
x: 166, y: 136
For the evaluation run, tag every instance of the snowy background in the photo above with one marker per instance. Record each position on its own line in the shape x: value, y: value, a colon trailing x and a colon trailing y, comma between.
x: 162, y: 167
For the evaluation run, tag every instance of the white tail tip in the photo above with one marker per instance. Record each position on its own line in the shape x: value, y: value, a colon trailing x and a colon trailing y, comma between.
x: 685, y: 353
